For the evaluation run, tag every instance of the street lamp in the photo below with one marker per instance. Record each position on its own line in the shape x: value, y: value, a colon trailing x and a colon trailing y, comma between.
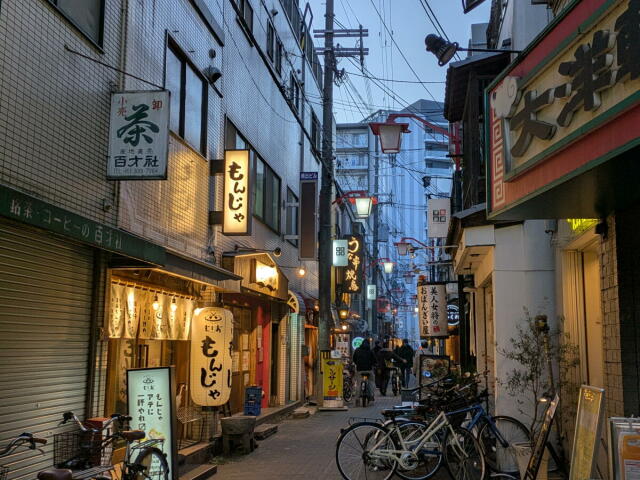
x: 343, y: 312
x: 362, y: 201
x: 388, y: 266
x: 403, y: 247
x: 444, y: 50
x: 390, y: 134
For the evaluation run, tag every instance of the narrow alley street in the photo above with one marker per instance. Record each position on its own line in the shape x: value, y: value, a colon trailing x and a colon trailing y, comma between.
x: 302, y: 449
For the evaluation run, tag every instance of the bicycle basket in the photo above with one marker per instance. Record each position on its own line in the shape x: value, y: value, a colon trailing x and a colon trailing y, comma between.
x: 78, y: 450
x: 3, y: 473
x: 457, y: 404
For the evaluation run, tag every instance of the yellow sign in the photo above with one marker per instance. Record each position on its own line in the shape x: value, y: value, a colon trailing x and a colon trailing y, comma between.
x: 590, y: 404
x: 331, y: 378
x: 236, y: 220
x: 579, y: 225
x: 266, y: 275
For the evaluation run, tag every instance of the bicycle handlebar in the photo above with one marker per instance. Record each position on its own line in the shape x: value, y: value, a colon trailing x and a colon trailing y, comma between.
x: 25, y: 437
x: 72, y: 416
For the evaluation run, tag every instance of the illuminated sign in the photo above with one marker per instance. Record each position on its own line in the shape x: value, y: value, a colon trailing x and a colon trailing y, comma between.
x: 265, y: 275
x: 353, y: 270
x: 340, y: 253
x: 439, y: 213
x: 371, y: 292
x: 432, y: 310
x: 580, y: 225
x: 211, y: 362
x: 236, y: 219
x: 356, y: 342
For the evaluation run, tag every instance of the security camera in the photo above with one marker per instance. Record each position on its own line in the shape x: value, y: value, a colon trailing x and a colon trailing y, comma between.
x: 212, y: 74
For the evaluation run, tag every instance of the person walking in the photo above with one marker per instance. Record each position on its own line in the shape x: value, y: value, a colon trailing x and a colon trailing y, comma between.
x: 385, y: 360
x: 406, y: 353
x: 365, y: 361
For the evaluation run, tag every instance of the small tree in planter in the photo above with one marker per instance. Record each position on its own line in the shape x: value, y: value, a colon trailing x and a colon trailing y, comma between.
x: 530, y: 381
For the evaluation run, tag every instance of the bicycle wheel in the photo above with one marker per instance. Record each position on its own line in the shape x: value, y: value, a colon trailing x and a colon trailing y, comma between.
x: 364, y: 393
x: 417, y: 465
x: 463, y: 455
x: 150, y: 463
x: 356, y: 456
x: 394, y: 385
x: 347, y: 394
x: 501, y: 457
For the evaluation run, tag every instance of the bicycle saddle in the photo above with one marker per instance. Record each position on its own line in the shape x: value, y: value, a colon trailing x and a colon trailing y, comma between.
x: 55, y: 474
x: 131, y: 435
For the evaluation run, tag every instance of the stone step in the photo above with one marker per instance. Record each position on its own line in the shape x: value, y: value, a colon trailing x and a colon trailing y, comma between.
x: 200, y: 472
x: 301, y: 412
x: 197, y: 454
x: 265, y: 430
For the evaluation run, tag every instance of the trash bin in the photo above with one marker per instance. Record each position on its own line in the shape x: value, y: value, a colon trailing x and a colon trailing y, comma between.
x: 252, y: 401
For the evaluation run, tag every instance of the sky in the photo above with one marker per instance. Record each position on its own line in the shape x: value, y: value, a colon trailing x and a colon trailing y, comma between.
x: 407, y: 22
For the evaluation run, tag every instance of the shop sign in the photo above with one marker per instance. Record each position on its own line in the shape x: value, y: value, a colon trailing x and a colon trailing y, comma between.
x: 432, y: 310
x: 540, y: 443
x: 371, y: 292
x: 342, y: 344
x: 236, y: 216
x: 563, y: 97
x: 356, y: 342
x: 308, y: 225
x: 624, y: 448
x: 353, y: 270
x: 211, y: 361
x: 138, y: 135
x: 331, y: 378
x: 265, y: 275
x: 439, y: 214
x: 587, y: 432
x: 340, y: 253
x: 151, y: 397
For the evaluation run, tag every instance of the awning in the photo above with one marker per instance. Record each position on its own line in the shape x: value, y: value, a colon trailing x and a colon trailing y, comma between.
x: 243, y: 264
x: 192, y: 269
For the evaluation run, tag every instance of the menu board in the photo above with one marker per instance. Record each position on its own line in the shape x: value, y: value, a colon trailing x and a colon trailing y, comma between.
x: 587, y: 433
x: 540, y: 442
x: 624, y: 448
x: 151, y: 397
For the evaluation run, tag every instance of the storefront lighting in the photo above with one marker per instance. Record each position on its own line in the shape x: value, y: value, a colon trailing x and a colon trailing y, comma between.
x: 388, y: 267
x: 197, y: 311
x: 415, y: 309
x: 343, y: 312
x: 156, y: 303
x: 344, y: 327
x: 301, y: 272
x: 445, y: 50
x: 174, y: 305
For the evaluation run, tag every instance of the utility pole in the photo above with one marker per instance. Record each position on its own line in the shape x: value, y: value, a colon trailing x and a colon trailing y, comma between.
x: 376, y: 223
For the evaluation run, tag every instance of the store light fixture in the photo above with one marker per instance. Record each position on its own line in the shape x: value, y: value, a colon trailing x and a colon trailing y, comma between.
x: 174, y: 305
x: 156, y: 303
x: 301, y: 272
x: 363, y: 206
x: 388, y: 267
x: 343, y: 312
x: 344, y: 327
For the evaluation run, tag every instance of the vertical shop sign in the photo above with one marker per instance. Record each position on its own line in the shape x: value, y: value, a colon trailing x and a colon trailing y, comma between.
x: 340, y: 253
x: 332, y: 378
x: 117, y: 318
x: 211, y: 362
x: 353, y: 270
x: 185, y: 314
x: 308, y: 228
x: 423, y: 310
x: 237, y: 216
x: 439, y: 213
x: 437, y: 310
x: 138, y: 136
x: 371, y: 292
x: 151, y: 397
x: 134, y: 298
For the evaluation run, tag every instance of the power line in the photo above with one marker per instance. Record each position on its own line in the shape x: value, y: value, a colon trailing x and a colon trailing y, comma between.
x: 433, y: 18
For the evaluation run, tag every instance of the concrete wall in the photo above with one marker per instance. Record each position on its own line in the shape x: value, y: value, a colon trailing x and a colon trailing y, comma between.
x: 522, y: 21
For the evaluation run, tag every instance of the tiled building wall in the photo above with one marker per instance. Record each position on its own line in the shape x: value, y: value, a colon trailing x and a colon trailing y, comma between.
x: 54, y: 107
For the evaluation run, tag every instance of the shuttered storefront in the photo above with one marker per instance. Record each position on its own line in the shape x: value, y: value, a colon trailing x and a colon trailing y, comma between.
x: 45, y: 314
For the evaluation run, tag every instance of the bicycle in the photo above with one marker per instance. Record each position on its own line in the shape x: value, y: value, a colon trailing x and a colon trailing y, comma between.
x: 366, y: 394
x: 14, y: 444
x: 150, y: 462
x: 347, y: 386
x: 396, y: 382
x: 412, y: 450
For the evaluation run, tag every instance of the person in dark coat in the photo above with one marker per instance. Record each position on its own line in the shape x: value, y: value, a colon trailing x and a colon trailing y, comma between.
x: 365, y: 362
x: 378, y: 371
x: 406, y: 353
x: 385, y: 358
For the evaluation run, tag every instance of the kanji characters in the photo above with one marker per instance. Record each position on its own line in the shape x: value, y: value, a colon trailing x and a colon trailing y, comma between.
x: 137, y: 126
x: 527, y: 122
x: 627, y: 27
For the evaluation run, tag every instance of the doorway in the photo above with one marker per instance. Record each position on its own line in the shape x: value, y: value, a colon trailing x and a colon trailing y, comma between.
x: 592, y: 329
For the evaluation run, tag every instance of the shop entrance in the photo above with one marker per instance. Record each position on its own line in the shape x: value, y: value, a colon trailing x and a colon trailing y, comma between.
x: 244, y: 355
x: 592, y: 330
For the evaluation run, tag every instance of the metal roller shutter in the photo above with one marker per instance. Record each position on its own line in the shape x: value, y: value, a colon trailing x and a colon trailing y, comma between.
x: 45, y: 313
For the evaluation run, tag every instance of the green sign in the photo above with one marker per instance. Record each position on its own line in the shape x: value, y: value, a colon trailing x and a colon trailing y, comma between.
x: 30, y: 210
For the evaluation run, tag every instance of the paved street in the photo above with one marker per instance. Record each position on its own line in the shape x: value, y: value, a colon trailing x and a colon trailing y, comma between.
x: 302, y: 449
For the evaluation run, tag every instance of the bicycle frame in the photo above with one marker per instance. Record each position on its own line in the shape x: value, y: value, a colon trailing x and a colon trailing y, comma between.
x: 480, y: 414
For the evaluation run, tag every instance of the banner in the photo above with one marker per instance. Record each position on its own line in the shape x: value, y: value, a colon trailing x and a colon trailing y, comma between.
x: 138, y: 135
x: 438, y: 215
x: 135, y: 298
x: 117, y: 319
x: 432, y: 310
x: 211, y: 344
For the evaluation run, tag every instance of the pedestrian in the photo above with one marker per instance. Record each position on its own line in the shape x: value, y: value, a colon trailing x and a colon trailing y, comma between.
x: 376, y: 349
x: 406, y: 353
x: 385, y: 360
x: 365, y: 362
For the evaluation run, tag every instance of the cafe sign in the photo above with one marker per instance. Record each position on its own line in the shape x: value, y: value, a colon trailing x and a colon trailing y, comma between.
x: 340, y: 253
x: 556, y: 99
x: 138, y: 135
x: 236, y: 215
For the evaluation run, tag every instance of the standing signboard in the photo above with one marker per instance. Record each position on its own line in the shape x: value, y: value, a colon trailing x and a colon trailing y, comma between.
x: 211, y: 362
x: 151, y: 394
x: 587, y: 432
x: 624, y: 448
x: 138, y: 135
x: 540, y: 442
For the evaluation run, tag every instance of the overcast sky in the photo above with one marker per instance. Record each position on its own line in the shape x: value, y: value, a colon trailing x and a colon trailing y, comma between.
x: 409, y: 24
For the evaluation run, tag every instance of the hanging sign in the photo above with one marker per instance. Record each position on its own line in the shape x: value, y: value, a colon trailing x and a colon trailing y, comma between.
x: 134, y: 299
x: 307, y: 218
x: 587, y: 432
x: 236, y: 218
x: 356, y: 342
x: 138, y: 135
x: 340, y: 253
x: 151, y: 397
x: 371, y: 292
x: 211, y: 363
x: 432, y: 310
x: 353, y: 270
x: 265, y: 275
x: 439, y: 213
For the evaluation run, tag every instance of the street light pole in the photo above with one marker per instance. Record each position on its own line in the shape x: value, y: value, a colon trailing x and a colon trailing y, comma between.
x: 325, y: 214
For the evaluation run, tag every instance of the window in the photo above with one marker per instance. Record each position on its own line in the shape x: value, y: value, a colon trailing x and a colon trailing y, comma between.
x: 86, y: 15
x: 315, y: 131
x: 271, y: 37
x: 188, y: 99
x: 291, y: 227
x: 246, y: 13
x: 266, y: 194
x: 278, y: 60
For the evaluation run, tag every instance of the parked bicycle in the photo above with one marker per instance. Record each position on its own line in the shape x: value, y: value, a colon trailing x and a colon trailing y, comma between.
x: 87, y: 460
x: 396, y: 381
x: 366, y: 393
x: 23, y: 440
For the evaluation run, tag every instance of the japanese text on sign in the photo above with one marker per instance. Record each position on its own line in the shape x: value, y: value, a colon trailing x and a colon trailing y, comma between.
x: 236, y: 192
x: 353, y: 270
x: 138, y: 135
x: 432, y: 310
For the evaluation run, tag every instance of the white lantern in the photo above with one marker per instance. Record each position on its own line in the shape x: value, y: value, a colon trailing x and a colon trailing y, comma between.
x: 388, y: 267
x: 403, y: 248
x: 390, y: 134
x: 363, y: 206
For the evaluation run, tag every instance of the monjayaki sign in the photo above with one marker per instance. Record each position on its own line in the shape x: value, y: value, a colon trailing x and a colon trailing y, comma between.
x: 580, y: 75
